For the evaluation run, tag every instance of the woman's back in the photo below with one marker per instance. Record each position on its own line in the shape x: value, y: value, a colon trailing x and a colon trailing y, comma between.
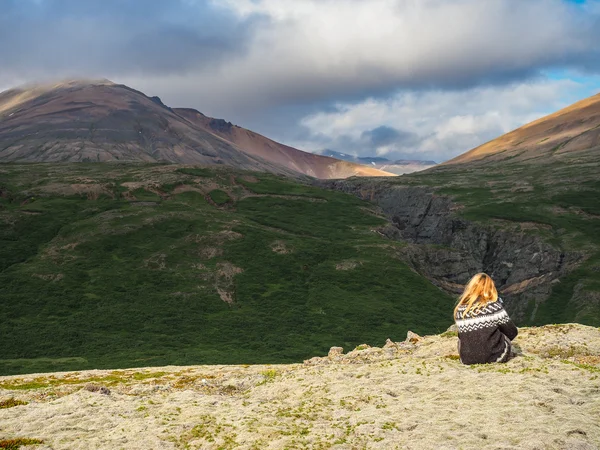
x: 484, y: 334
x: 484, y: 328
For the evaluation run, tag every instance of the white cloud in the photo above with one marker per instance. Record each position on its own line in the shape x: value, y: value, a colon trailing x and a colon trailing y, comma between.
x: 310, y: 49
x: 445, y: 123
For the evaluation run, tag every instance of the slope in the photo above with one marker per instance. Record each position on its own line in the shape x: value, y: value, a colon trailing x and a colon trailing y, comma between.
x: 122, y: 265
x: 255, y: 144
x: 575, y: 129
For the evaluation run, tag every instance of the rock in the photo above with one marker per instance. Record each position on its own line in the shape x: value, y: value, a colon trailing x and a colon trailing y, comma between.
x: 390, y: 344
x: 452, y: 329
x: 362, y: 347
x: 99, y: 389
x: 221, y: 125
x: 413, y: 338
x: 314, y: 361
x: 335, y: 351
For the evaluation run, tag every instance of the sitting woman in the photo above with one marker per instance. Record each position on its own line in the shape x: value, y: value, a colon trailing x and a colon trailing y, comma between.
x: 484, y: 328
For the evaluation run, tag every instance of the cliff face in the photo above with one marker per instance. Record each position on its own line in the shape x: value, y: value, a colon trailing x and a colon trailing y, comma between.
x: 449, y: 250
x: 411, y: 394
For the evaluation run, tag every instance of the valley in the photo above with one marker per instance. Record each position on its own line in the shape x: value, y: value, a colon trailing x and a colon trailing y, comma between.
x: 130, y: 262
x: 528, y: 215
x: 123, y: 265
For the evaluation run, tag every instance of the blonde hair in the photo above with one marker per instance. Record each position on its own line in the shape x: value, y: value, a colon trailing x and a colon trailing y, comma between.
x: 479, y: 291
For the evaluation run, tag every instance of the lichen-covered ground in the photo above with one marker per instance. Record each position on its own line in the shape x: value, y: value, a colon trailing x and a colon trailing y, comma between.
x: 413, y: 395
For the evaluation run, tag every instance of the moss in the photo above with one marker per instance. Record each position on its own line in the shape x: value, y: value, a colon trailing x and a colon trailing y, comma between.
x: 449, y: 334
x: 269, y: 375
x: 15, y: 444
x: 110, y: 380
x: 564, y: 352
x: 145, y: 376
x: 11, y: 403
x: 589, y: 368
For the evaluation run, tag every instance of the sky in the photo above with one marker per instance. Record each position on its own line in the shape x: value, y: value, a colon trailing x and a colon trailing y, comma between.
x: 417, y: 79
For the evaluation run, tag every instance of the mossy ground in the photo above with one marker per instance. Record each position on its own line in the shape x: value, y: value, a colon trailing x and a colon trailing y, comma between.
x: 404, y: 395
x: 112, y: 266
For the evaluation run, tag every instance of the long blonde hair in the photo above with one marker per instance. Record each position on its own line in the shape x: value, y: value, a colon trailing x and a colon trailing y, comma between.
x: 479, y: 291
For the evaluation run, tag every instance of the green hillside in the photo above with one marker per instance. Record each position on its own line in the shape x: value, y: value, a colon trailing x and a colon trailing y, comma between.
x: 557, y: 198
x: 112, y: 266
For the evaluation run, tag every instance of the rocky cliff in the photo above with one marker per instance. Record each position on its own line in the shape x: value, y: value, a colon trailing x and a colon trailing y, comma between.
x: 448, y: 249
x: 413, y: 394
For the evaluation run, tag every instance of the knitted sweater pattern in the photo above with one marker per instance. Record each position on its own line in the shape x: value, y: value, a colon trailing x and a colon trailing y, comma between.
x: 485, y: 334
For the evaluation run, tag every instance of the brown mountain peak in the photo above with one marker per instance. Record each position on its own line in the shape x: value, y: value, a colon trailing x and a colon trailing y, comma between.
x: 575, y: 128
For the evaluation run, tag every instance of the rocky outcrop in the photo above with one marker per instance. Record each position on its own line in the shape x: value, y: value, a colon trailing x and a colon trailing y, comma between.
x: 448, y: 249
x: 220, y: 125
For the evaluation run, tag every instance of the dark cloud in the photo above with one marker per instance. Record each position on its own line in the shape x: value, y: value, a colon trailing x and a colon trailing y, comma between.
x: 388, y: 136
x: 55, y: 38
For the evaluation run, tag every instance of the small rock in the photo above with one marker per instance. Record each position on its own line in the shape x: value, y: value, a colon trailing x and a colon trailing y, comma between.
x: 452, y: 329
x: 314, y: 361
x: 413, y: 338
x: 578, y: 444
x: 99, y: 389
x: 335, y: 351
x: 362, y: 347
x: 390, y: 344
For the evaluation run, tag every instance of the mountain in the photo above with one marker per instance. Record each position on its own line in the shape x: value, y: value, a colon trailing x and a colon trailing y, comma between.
x: 353, y: 158
x: 82, y: 120
x: 572, y: 130
x: 402, y: 395
x: 397, y: 167
x: 259, y: 146
x: 523, y: 208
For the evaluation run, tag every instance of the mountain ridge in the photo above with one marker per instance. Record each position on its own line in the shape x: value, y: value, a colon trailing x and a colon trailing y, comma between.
x: 98, y: 120
x: 398, y: 167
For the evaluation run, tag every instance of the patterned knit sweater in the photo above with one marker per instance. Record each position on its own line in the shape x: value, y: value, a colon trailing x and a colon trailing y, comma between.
x: 484, y: 336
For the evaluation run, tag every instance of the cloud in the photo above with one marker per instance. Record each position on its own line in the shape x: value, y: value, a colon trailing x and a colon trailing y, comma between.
x: 398, y: 77
x: 110, y: 38
x: 385, y: 139
x: 249, y: 55
x: 433, y: 124
x: 315, y: 49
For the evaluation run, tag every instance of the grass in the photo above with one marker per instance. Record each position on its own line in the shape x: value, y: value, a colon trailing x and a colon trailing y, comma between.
x: 108, y: 283
x: 219, y: 197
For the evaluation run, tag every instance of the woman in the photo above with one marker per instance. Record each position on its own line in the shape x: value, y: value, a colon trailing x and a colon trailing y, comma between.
x: 484, y: 328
